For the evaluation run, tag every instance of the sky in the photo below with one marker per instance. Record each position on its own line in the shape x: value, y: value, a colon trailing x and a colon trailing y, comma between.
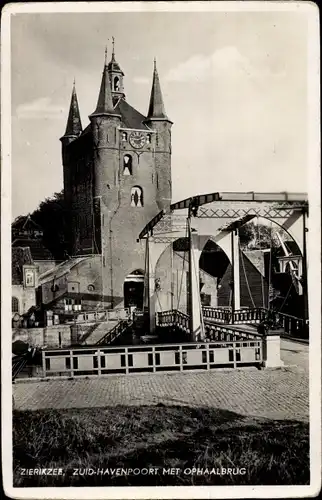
x: 234, y: 84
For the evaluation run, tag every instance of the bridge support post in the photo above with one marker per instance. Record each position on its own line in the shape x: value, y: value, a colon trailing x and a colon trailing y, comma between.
x: 194, y: 286
x: 235, y: 268
x: 154, y: 251
x: 272, y: 349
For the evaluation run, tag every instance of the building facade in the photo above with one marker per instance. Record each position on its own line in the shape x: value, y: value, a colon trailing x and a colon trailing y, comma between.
x: 117, y: 176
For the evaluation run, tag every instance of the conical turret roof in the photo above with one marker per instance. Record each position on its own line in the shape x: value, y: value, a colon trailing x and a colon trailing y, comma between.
x: 74, y: 124
x: 105, y: 101
x: 156, y: 107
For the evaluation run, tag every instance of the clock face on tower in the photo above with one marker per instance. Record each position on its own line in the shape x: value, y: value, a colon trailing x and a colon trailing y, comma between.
x: 137, y: 140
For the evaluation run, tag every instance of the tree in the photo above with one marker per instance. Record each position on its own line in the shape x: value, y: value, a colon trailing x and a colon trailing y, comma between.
x: 259, y: 236
x: 51, y: 217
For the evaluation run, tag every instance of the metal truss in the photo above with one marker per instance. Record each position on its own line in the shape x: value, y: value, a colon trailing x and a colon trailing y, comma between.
x: 163, y: 239
x: 170, y: 223
x: 231, y: 213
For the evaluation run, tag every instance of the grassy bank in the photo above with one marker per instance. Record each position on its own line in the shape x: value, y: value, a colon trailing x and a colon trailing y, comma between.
x: 273, y: 452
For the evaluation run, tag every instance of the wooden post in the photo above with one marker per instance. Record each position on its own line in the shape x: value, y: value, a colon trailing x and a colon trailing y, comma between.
x: 236, y: 271
x: 44, y: 363
x: 304, y: 268
x: 194, y: 285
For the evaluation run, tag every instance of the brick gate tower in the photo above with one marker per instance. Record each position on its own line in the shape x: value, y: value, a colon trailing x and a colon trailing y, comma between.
x: 117, y: 176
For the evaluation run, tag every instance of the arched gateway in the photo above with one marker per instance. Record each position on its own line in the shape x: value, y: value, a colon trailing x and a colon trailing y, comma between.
x: 217, y: 216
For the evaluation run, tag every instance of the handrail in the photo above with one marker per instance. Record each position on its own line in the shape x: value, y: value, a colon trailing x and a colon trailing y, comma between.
x: 256, y: 316
x: 173, y: 318
x: 18, y: 365
x: 116, y: 331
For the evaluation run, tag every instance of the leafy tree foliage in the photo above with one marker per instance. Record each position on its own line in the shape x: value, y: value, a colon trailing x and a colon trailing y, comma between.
x: 258, y: 236
x: 50, y: 216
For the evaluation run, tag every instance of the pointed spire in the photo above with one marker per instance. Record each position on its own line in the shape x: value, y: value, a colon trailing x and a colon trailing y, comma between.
x: 156, y: 107
x: 113, y: 65
x: 113, y: 48
x: 105, y: 102
x: 74, y: 124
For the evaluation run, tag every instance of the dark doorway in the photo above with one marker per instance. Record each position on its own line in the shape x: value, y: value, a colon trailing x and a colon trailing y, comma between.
x: 133, y: 294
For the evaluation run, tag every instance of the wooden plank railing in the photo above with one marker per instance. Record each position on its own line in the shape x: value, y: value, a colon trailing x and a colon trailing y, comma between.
x: 96, y: 361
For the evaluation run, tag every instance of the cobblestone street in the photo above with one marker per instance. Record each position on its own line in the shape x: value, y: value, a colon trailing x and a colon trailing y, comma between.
x: 276, y: 394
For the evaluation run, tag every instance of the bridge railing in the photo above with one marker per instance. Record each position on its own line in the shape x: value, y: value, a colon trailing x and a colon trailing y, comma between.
x: 173, y: 318
x: 251, y: 316
x: 100, y: 315
x: 240, y: 316
x: 98, y: 361
x: 293, y: 326
x: 225, y: 333
x: 218, y: 314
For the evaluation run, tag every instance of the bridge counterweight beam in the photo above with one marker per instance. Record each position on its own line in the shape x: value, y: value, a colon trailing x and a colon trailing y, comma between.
x: 235, y: 268
x: 194, y: 286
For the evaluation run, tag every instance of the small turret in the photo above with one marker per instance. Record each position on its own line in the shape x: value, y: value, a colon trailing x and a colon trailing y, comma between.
x: 116, y: 76
x: 105, y: 102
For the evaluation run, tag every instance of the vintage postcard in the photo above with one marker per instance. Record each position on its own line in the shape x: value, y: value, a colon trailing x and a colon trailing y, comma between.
x: 161, y: 250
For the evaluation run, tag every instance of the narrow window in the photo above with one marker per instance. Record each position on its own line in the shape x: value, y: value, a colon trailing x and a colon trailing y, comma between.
x: 148, y: 138
x: 124, y: 136
x: 116, y: 84
x: 136, y: 197
x: 127, y: 165
x: 15, y: 305
x: 77, y: 304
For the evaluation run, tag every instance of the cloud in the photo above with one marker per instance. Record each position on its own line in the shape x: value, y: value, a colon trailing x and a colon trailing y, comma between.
x: 224, y: 61
x: 39, y: 109
x: 141, y: 80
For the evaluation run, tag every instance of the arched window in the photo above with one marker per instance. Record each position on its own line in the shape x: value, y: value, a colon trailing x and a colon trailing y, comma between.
x: 15, y: 305
x: 148, y: 138
x: 124, y: 136
x: 116, y: 84
x: 127, y: 165
x: 136, y: 197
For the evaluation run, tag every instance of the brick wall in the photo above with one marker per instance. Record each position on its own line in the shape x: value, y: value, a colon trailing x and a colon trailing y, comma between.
x: 75, y: 284
x: 53, y: 336
x: 25, y: 296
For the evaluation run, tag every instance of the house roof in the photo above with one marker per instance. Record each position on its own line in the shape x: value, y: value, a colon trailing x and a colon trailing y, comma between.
x: 20, y: 256
x: 61, y: 269
x: 130, y: 117
x: 36, y: 247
